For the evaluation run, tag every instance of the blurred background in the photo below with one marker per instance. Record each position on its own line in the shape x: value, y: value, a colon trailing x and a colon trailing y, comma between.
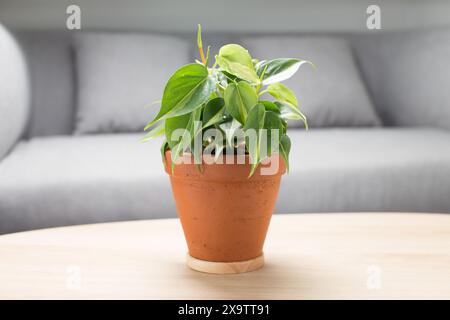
x: 231, y: 16
x: 77, y: 78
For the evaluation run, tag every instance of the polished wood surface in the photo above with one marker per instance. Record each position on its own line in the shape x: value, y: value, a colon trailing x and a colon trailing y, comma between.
x: 307, y: 256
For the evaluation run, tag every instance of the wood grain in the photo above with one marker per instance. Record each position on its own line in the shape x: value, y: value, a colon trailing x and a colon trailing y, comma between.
x: 308, y: 256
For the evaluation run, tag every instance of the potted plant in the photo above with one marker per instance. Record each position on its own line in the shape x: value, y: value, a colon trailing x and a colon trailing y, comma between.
x: 225, y: 151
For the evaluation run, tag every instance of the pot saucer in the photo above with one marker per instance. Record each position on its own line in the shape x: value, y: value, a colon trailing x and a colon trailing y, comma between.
x: 225, y: 267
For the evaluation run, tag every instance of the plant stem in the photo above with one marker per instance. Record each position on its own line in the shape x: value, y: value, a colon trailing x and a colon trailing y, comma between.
x: 262, y: 92
x: 200, y: 45
x: 261, y: 79
x: 202, y: 55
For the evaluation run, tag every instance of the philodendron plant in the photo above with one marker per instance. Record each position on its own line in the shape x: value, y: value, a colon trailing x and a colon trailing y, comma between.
x: 225, y: 99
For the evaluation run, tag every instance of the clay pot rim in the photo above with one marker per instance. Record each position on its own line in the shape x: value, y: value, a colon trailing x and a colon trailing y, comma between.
x: 247, y: 156
x: 220, y: 171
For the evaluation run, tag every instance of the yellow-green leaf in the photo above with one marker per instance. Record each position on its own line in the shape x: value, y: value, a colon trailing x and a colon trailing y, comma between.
x: 236, y: 60
x: 282, y: 93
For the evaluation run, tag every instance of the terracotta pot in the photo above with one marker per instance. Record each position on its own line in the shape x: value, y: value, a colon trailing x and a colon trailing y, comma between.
x: 225, y: 215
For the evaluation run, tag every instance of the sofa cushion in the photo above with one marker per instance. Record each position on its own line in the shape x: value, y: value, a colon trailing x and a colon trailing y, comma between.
x: 14, y: 92
x: 120, y: 74
x: 408, y: 74
x: 49, y: 182
x: 331, y: 95
x: 341, y: 170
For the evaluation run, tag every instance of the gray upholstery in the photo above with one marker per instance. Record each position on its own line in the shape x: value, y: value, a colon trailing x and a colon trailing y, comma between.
x: 57, y: 181
x: 120, y: 74
x: 63, y: 179
x: 408, y: 74
x: 368, y: 170
x: 50, y: 62
x: 331, y: 95
x: 14, y: 92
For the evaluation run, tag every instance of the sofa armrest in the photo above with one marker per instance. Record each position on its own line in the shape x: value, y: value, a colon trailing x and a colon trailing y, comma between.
x: 14, y: 92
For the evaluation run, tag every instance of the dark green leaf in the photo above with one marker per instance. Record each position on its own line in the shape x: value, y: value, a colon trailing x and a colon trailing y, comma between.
x: 196, y: 143
x: 270, y: 106
x: 164, y: 148
x: 285, y: 148
x: 185, y: 140
x: 188, y: 89
x: 229, y: 78
x: 172, y: 124
x: 285, y: 125
x: 213, y: 112
x: 255, y: 119
x: 239, y: 99
x: 255, y: 122
x: 272, y: 121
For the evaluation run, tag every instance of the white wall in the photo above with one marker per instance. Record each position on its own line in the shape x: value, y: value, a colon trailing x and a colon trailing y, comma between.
x: 225, y: 15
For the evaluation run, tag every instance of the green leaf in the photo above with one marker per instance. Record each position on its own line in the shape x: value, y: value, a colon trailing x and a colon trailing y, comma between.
x: 184, y: 141
x: 229, y: 78
x: 285, y: 148
x: 278, y: 70
x: 163, y: 149
x: 217, y: 145
x: 213, y: 112
x: 236, y: 60
x: 222, y: 80
x: 272, y: 121
x: 172, y: 124
x: 199, y: 36
x: 239, y: 99
x: 289, y: 112
x: 155, y: 132
x: 285, y: 125
x: 270, y: 106
x: 255, y: 121
x: 188, y: 89
x: 255, y: 118
x: 282, y: 93
x: 196, y: 131
x: 229, y: 128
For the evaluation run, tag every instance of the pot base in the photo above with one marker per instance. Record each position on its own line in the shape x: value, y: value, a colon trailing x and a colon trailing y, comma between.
x: 225, y: 267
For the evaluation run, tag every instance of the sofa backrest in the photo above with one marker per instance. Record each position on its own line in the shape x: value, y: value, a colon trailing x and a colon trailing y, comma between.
x: 56, y: 80
x: 385, y: 69
x: 14, y: 92
x: 408, y: 76
x: 50, y: 62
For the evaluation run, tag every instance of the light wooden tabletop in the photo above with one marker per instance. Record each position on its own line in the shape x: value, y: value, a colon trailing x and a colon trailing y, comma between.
x: 358, y: 255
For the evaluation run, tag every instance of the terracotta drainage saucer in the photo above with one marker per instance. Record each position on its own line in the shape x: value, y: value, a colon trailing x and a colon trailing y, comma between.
x: 225, y: 267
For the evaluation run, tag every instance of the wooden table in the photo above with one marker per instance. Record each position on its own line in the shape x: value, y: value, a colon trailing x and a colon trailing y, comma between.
x: 379, y: 255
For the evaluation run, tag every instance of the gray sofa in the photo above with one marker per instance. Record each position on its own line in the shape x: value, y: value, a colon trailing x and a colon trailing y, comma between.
x: 379, y: 106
